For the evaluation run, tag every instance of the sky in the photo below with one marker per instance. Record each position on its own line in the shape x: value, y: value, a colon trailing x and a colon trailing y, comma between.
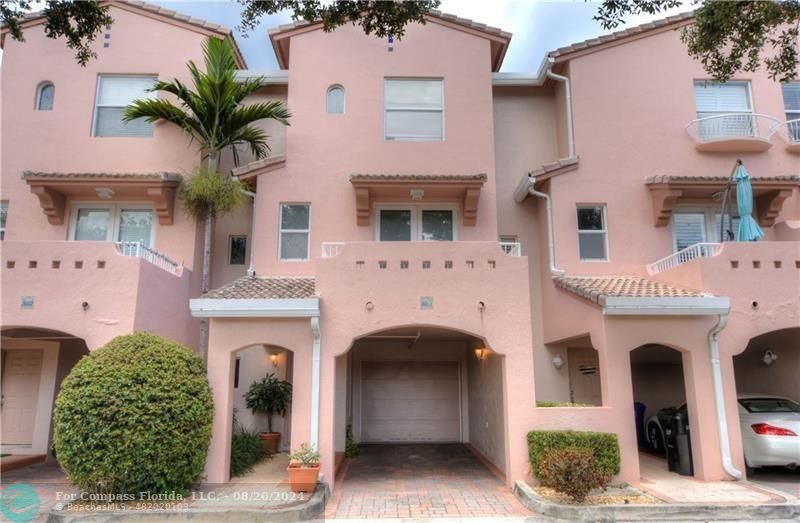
x: 537, y: 26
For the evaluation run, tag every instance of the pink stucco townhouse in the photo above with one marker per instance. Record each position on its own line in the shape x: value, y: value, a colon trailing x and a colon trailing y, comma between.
x: 434, y: 245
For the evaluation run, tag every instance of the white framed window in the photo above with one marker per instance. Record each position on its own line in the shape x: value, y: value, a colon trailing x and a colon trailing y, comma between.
x: 791, y: 104
x: 717, y: 99
x: 114, y: 94
x: 417, y: 223
x: 701, y: 225
x: 123, y: 222
x: 592, y: 233
x: 237, y: 249
x: 334, y: 100
x: 295, y: 231
x: 3, y: 218
x: 413, y: 109
x: 45, y: 96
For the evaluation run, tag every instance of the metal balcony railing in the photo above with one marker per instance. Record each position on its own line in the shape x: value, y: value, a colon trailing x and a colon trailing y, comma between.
x: 692, y: 252
x: 511, y: 248
x: 149, y: 255
x: 331, y: 249
x: 731, y: 126
x: 789, y: 131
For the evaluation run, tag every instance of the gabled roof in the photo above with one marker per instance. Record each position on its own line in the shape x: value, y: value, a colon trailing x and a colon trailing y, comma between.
x: 281, y: 36
x: 156, y: 12
x: 568, y: 52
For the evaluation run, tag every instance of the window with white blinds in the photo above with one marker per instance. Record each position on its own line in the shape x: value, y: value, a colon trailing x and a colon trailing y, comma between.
x: 688, y: 229
x: 114, y: 93
x: 414, y: 109
x: 791, y: 104
x: 715, y: 98
x: 112, y: 222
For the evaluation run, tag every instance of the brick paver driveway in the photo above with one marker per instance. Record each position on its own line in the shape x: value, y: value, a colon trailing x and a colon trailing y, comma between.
x: 420, y: 481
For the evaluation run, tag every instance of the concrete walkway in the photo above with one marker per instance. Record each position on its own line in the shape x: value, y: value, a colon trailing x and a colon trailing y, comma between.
x: 777, y: 478
x: 420, y: 481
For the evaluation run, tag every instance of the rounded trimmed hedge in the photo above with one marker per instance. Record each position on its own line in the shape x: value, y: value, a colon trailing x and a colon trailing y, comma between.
x: 135, y: 416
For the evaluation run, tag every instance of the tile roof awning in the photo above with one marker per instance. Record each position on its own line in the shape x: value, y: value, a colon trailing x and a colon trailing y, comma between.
x: 666, y: 192
x: 634, y: 295
x: 265, y: 288
x: 419, y: 188
x: 53, y: 189
x: 260, y: 296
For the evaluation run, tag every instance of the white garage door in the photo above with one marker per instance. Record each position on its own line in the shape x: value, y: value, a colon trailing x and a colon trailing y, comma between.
x: 410, y: 401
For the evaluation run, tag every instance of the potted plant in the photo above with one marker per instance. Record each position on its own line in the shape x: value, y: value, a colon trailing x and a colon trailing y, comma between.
x: 269, y: 396
x: 303, y: 469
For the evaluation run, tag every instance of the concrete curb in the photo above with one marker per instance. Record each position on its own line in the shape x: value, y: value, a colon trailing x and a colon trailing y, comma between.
x: 664, y: 512
x: 311, y: 509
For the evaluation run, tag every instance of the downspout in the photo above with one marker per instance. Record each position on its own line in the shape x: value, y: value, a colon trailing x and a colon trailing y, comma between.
x: 568, y: 103
x: 719, y: 398
x: 250, y: 270
x: 315, y: 376
x: 551, y: 242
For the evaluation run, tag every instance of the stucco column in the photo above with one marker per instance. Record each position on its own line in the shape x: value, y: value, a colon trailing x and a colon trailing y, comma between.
x: 702, y: 420
x: 327, y: 431
x: 220, y: 377
x: 518, y: 402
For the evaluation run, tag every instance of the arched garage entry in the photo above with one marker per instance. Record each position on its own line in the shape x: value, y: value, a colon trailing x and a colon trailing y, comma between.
x: 422, y: 385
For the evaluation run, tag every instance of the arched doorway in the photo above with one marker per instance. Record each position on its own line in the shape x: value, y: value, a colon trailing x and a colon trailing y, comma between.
x: 662, y: 411
x: 33, y: 363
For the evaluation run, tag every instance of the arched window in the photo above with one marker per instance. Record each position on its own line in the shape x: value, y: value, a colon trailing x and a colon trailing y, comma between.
x: 44, y: 96
x: 335, y: 102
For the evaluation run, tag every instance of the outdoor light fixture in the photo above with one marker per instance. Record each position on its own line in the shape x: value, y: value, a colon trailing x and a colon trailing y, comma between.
x: 274, y: 359
x: 480, y: 353
x: 557, y: 361
x: 104, y: 193
x: 768, y: 357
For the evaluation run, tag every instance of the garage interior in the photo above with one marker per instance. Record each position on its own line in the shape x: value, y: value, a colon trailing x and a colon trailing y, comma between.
x: 658, y: 382
x: 422, y: 386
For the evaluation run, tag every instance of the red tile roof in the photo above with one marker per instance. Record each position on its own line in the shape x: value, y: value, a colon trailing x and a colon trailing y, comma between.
x: 265, y: 287
x: 597, y: 288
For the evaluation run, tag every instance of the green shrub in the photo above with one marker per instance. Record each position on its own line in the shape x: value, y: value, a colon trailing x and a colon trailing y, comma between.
x: 246, y: 450
x: 544, y: 404
x: 572, y: 471
x: 351, y: 448
x: 604, y: 446
x: 135, y: 415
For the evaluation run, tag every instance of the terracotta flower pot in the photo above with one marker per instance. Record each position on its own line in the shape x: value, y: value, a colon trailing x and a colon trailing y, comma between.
x: 301, y: 478
x: 271, y: 441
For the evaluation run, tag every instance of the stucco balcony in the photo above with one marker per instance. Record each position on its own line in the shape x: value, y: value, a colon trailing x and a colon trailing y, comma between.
x: 94, y: 290
x: 733, y: 132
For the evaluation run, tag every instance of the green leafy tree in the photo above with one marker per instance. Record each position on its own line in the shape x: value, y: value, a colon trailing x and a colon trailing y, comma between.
x: 214, y: 115
x: 79, y: 23
x: 730, y: 36
x: 269, y: 396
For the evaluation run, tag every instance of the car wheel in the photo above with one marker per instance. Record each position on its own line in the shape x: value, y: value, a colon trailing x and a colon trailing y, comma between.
x: 656, y: 439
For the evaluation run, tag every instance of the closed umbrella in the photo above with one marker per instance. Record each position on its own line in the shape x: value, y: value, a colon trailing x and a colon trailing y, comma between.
x: 749, y: 231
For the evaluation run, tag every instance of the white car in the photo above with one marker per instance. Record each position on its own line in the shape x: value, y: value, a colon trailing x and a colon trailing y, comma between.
x: 770, y: 430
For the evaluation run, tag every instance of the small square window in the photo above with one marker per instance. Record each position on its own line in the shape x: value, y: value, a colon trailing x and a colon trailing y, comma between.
x: 237, y: 248
x: 592, y: 233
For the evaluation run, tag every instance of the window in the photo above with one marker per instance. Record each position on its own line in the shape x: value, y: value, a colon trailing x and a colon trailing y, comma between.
x: 731, y: 99
x: 294, y: 231
x: 114, y: 93
x: 791, y: 104
x: 121, y: 223
x: 3, y: 218
x: 335, y: 99
x: 510, y: 244
x: 592, y: 233
x: 700, y: 226
x: 237, y: 247
x: 45, y: 95
x: 416, y: 223
x: 414, y: 109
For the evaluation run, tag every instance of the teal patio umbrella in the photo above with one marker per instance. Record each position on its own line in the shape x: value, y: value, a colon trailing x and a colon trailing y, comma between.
x: 749, y: 231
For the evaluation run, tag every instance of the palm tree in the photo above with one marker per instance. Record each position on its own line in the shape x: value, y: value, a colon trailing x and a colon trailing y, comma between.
x: 213, y: 114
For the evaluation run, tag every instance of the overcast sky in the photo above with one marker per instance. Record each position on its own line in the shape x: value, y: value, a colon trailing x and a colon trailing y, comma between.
x: 537, y: 26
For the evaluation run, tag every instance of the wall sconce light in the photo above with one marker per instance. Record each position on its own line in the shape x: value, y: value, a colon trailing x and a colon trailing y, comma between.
x: 557, y: 361
x: 274, y: 359
x: 768, y: 357
x: 104, y: 193
x: 480, y: 353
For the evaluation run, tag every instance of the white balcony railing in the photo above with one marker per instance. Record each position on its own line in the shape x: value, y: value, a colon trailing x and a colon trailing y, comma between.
x: 789, y: 131
x: 511, y: 248
x: 731, y: 126
x: 692, y: 252
x: 331, y: 249
x: 149, y: 255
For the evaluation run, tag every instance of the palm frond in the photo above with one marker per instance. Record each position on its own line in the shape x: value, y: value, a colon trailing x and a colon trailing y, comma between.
x: 254, y: 138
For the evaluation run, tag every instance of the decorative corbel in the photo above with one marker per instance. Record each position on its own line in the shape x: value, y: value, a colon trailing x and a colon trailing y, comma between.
x: 769, y: 206
x: 52, y: 203
x: 663, y: 200
x: 362, y: 206
x: 163, y: 198
x: 470, y: 212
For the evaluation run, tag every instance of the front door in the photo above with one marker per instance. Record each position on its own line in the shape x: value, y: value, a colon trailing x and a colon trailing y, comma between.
x: 22, y: 371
